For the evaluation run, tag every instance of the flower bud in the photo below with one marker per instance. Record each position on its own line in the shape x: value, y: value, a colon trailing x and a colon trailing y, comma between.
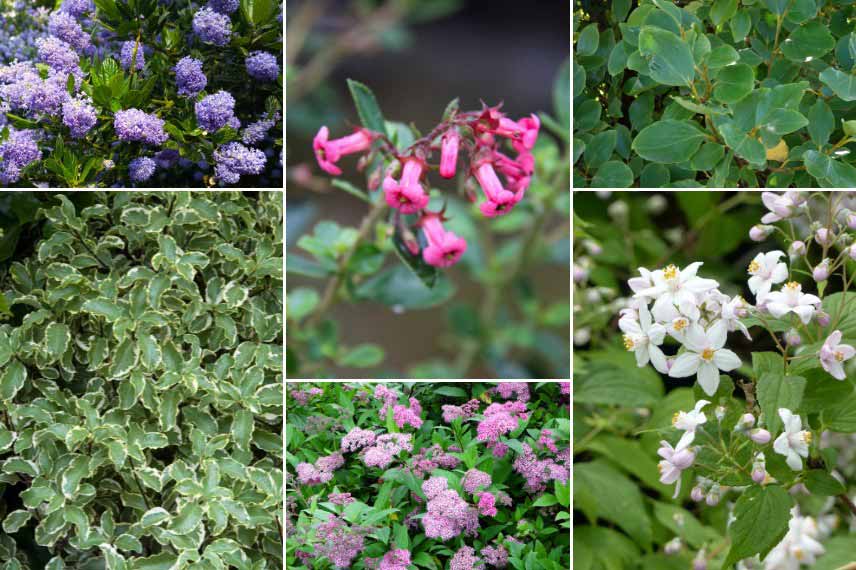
x: 823, y: 318
x: 592, y: 247
x: 673, y: 546
x: 747, y: 420
x: 849, y: 127
x: 656, y: 204
x: 582, y: 336
x: 824, y: 236
x: 851, y: 218
x: 712, y: 499
x: 820, y: 272
x: 719, y: 412
x: 593, y: 296
x: 697, y: 494
x: 758, y: 475
x: 580, y: 273
x: 796, y: 249
x: 851, y: 251
x: 760, y: 232
x: 618, y: 210
x: 760, y: 436
x: 793, y: 338
x: 699, y: 563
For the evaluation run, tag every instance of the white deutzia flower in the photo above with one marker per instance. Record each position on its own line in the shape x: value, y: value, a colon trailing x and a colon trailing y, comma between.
x: 678, y: 328
x: 791, y: 299
x: 638, y: 284
x: 766, y: 270
x: 833, y: 354
x: 732, y: 312
x: 675, y: 460
x: 673, y: 287
x: 705, y: 356
x: 794, y: 441
x: 644, y: 337
x: 800, y: 545
x: 689, y: 421
x: 781, y: 207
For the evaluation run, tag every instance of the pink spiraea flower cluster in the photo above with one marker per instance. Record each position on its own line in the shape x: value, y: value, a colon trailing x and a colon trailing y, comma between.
x: 538, y: 472
x: 386, y: 447
x: 566, y: 388
x: 547, y: 441
x: 357, y: 439
x: 408, y: 416
x: 448, y: 515
x: 397, y: 559
x: 477, y: 135
x: 430, y: 458
x: 495, y: 556
x: 486, y: 504
x: 389, y: 397
x: 468, y: 410
x: 475, y: 480
x: 302, y: 396
x: 338, y: 542
x: 507, y: 390
x: 464, y: 559
x: 500, y: 419
x: 340, y: 498
x: 321, y: 471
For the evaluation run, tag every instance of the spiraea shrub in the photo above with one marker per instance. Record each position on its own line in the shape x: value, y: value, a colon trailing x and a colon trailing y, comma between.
x: 718, y: 93
x: 140, y: 379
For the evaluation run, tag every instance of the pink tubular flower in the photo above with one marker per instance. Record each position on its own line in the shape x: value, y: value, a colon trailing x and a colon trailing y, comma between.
x: 395, y: 560
x: 444, y: 248
x: 328, y: 152
x: 407, y: 195
x: 449, y: 153
x: 833, y: 354
x: 529, y: 126
x: 499, y: 200
x: 408, y: 416
x: 487, y: 504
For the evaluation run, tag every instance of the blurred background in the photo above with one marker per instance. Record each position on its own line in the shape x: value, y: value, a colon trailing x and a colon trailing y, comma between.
x: 416, y: 56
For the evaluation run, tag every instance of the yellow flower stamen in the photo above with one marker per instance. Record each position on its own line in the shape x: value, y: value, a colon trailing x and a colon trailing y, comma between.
x: 675, y: 418
x: 670, y: 272
x: 807, y: 437
x: 792, y: 285
x: 753, y: 267
x: 707, y: 354
x: 680, y: 324
x: 628, y: 343
x: 839, y: 356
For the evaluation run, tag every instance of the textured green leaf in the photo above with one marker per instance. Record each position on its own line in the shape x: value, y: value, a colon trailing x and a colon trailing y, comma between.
x: 124, y: 360
x: 733, y: 83
x: 242, y: 428
x: 821, y: 122
x: 613, y: 174
x: 761, y: 520
x: 367, y: 106
x: 57, y: 337
x: 16, y: 520
x: 776, y: 391
x: 842, y: 84
x: 722, y: 11
x: 103, y: 308
x: 12, y: 379
x: 669, y: 141
x: 588, y: 40
x: 187, y: 519
x: 809, y: 41
x: 154, y: 516
x: 669, y: 58
x: 150, y: 351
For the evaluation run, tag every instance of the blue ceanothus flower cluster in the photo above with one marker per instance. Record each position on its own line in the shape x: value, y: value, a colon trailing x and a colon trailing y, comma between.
x: 43, y: 75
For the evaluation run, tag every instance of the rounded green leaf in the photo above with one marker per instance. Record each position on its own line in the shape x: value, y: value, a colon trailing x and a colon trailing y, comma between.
x: 669, y: 58
x: 740, y: 25
x: 588, y: 40
x: 733, y: 83
x: 842, y: 84
x: 599, y: 148
x: 154, y: 517
x: 722, y: 11
x: 363, y: 356
x: 809, y: 41
x: 150, y: 351
x: 57, y: 337
x: 187, y: 519
x: 15, y: 520
x: 707, y: 157
x: 669, y: 141
x: 722, y: 56
x: 613, y: 174
x: 12, y: 379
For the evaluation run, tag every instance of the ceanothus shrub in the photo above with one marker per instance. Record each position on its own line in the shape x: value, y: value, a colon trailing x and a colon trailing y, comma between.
x: 140, y: 379
x: 717, y: 93
x: 144, y: 93
x: 398, y: 476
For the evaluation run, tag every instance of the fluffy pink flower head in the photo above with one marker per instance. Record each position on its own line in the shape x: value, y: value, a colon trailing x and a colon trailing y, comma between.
x: 395, y: 560
x: 444, y: 248
x: 407, y: 195
x: 447, y: 514
x: 408, y: 416
x: 357, y: 439
x: 538, y: 472
x: 547, y: 441
x: 509, y: 389
x: 433, y: 486
x: 338, y: 542
x: 566, y: 388
x: 833, y: 354
x: 308, y: 474
x: 388, y: 396
x: 487, y: 504
x: 468, y: 410
x: 328, y: 152
x: 474, y: 480
x: 449, y: 153
x: 340, y: 498
x: 499, y: 200
x: 500, y: 419
x: 464, y: 559
x: 386, y: 447
x: 495, y: 556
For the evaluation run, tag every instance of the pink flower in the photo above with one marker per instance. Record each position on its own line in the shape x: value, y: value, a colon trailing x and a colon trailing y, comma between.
x: 500, y: 419
x: 386, y: 447
x: 464, y: 559
x: 449, y: 153
x: 538, y: 472
x: 407, y: 195
x: 321, y: 471
x: 475, y: 479
x: 338, y: 542
x: 508, y: 389
x: 499, y: 200
x: 388, y: 396
x: 357, y: 439
x: 448, y: 514
x: 496, y: 557
x: 487, y: 504
x: 395, y: 560
x: 433, y: 486
x: 340, y: 498
x: 468, y: 410
x: 408, y: 416
x: 444, y: 248
x: 675, y: 461
x: 547, y: 441
x: 328, y: 152
x: 566, y: 388
x: 833, y: 354
x: 529, y: 127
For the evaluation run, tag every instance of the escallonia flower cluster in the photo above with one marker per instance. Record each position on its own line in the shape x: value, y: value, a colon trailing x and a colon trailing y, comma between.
x: 493, y: 151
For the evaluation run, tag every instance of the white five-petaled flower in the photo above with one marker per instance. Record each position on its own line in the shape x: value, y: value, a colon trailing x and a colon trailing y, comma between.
x: 833, y: 354
x: 766, y: 270
x: 638, y: 284
x: 675, y: 460
x: 781, y: 206
x: 794, y: 441
x: 705, y: 356
x: 689, y: 421
x: 673, y: 287
x: 732, y: 312
x: 798, y: 547
x: 644, y: 337
x: 791, y: 299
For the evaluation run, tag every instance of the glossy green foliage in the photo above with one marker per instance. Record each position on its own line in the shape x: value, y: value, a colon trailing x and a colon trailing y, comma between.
x: 769, y: 82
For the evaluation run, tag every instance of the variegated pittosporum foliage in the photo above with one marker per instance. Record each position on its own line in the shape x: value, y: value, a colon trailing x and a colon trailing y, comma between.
x: 716, y: 93
x: 141, y: 385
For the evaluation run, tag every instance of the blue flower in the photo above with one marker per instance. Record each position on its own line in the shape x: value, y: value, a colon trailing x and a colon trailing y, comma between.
x: 262, y: 66
x: 189, y: 76
x: 212, y: 27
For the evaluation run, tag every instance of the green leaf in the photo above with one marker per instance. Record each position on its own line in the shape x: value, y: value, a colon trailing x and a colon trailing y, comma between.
x: 426, y: 273
x: 740, y: 25
x: 819, y: 482
x: 588, y: 40
x: 563, y: 493
x: 367, y: 107
x: 733, y: 83
x: 243, y: 424
x: 451, y: 391
x: 562, y: 95
x: 707, y: 157
x: 150, y: 351
x: 761, y: 520
x: 841, y: 417
x: 187, y: 519
x: 784, y: 121
x: 613, y: 174
x: 669, y: 58
x: 545, y: 500
x: 12, y: 379
x: 398, y: 287
x: 599, y: 148
x: 722, y: 11
x: 15, y: 520
x: 809, y: 41
x: 722, y: 56
x: 821, y: 122
x: 301, y: 302
x: 57, y: 337
x: 744, y: 146
x: 103, y: 308
x: 669, y: 141
x: 363, y: 356
x: 154, y: 517
x: 124, y: 359
x: 777, y: 6
x: 842, y: 84
x: 776, y: 391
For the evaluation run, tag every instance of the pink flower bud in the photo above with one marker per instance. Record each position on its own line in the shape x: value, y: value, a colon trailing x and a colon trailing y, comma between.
x: 672, y: 547
x: 851, y: 251
x: 580, y: 274
x: 759, y: 475
x: 820, y: 272
x: 760, y: 232
x: 824, y: 236
x: 747, y: 420
x: 449, y: 153
x: 796, y: 249
x: 851, y: 220
x: 823, y: 318
x: 697, y: 494
x: 592, y: 247
x: 760, y: 436
x: 793, y: 338
x: 712, y: 499
x: 699, y: 564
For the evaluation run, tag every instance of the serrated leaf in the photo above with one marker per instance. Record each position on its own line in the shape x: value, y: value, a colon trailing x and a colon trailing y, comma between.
x: 761, y: 520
